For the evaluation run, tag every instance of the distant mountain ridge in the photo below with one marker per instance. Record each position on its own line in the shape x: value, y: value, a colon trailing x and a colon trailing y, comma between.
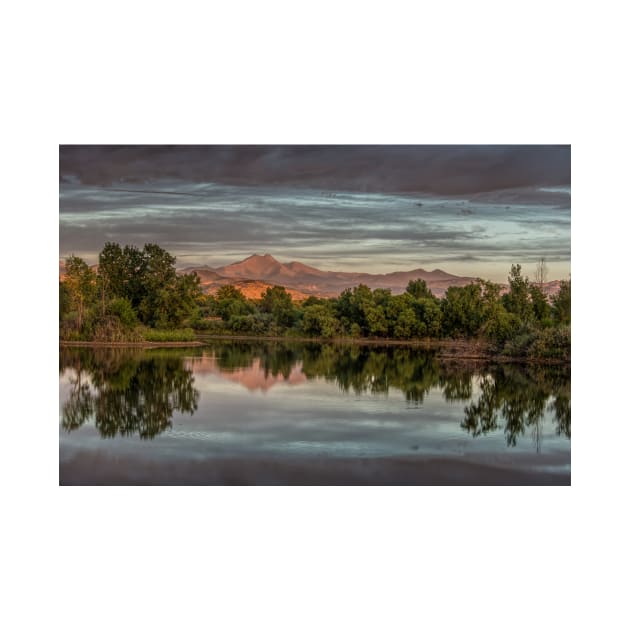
x: 256, y: 273
x: 302, y: 280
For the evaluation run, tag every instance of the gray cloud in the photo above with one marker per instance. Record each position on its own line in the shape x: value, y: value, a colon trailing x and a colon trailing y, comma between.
x: 445, y: 169
x: 205, y: 222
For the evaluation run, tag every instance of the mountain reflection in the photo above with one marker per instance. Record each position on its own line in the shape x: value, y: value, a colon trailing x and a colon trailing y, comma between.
x: 126, y: 391
x: 509, y: 397
x: 129, y: 392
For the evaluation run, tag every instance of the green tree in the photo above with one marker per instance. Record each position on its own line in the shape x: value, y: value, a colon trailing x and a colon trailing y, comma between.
x: 561, y: 303
x: 134, y: 265
x: 231, y: 302
x: 517, y: 301
x: 81, y: 284
x: 419, y: 289
x: 498, y: 324
x: 65, y: 302
x: 540, y: 306
x: 319, y: 320
x: 111, y: 270
x: 406, y: 324
x: 159, y: 280
x: 463, y: 310
x: 429, y: 317
x: 376, y: 321
x: 352, y: 307
x: 121, y: 309
x: 278, y: 303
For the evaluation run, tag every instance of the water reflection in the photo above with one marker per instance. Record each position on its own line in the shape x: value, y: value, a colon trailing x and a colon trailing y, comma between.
x: 136, y: 392
x: 511, y: 397
x: 520, y: 397
x: 126, y: 392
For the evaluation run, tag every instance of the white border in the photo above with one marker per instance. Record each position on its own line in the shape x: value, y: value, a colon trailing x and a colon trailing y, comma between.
x: 277, y: 72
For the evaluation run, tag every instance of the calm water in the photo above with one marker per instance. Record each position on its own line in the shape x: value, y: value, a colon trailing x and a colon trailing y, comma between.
x: 275, y: 413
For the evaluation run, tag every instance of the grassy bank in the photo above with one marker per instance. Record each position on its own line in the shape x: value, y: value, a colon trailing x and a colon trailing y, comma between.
x: 181, y: 334
x: 130, y: 344
x: 142, y: 338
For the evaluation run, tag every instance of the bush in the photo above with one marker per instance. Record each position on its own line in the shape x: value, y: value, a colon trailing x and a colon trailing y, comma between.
x: 552, y: 343
x: 110, y: 328
x: 519, y: 345
x: 549, y: 343
x: 123, y: 310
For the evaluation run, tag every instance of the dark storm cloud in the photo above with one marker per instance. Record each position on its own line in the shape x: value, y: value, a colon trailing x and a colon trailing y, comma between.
x: 445, y: 170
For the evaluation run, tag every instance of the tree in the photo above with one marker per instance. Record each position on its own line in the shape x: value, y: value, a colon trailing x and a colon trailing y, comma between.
x: 159, y: 280
x: 561, y: 303
x: 133, y: 275
x: 111, y: 270
x: 229, y: 292
x: 347, y: 312
x: 278, y: 303
x: 64, y: 300
x: 121, y: 309
x: 498, y: 323
x: 230, y: 302
x: 187, y: 296
x: 147, y: 278
x: 419, y: 289
x: 81, y: 284
x: 406, y: 324
x: 540, y: 275
x: 319, y: 320
x: 540, y: 305
x: 429, y: 316
x: 463, y: 310
x: 376, y: 321
x: 517, y: 300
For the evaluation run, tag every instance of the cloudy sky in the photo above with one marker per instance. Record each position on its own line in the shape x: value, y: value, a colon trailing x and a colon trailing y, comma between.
x: 470, y: 210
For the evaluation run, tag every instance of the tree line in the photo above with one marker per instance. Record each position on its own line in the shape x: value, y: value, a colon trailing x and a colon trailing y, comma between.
x: 521, y: 321
x: 131, y: 292
x: 136, y: 293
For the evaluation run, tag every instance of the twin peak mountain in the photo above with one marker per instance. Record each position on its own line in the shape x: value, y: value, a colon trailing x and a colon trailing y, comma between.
x: 254, y: 274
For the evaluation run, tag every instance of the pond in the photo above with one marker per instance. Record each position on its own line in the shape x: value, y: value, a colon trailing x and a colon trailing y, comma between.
x: 308, y: 414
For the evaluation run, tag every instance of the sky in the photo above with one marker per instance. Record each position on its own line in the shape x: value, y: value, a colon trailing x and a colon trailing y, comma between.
x: 469, y: 210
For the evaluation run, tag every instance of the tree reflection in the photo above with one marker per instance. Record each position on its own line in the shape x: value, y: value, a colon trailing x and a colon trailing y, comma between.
x: 561, y: 406
x: 362, y: 369
x: 137, y: 392
x: 511, y: 397
x: 520, y: 396
x: 126, y: 392
x: 276, y: 359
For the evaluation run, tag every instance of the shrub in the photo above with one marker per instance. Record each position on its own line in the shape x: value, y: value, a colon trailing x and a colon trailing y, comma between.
x: 110, y: 328
x: 552, y: 343
x: 123, y: 310
x: 548, y: 343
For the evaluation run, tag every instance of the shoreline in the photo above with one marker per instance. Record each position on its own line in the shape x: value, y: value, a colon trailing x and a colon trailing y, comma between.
x: 130, y: 344
x: 446, y: 349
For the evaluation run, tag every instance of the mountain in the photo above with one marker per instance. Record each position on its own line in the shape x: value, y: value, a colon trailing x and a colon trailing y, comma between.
x: 256, y: 273
x: 252, y: 287
x: 256, y: 267
x: 303, y: 280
